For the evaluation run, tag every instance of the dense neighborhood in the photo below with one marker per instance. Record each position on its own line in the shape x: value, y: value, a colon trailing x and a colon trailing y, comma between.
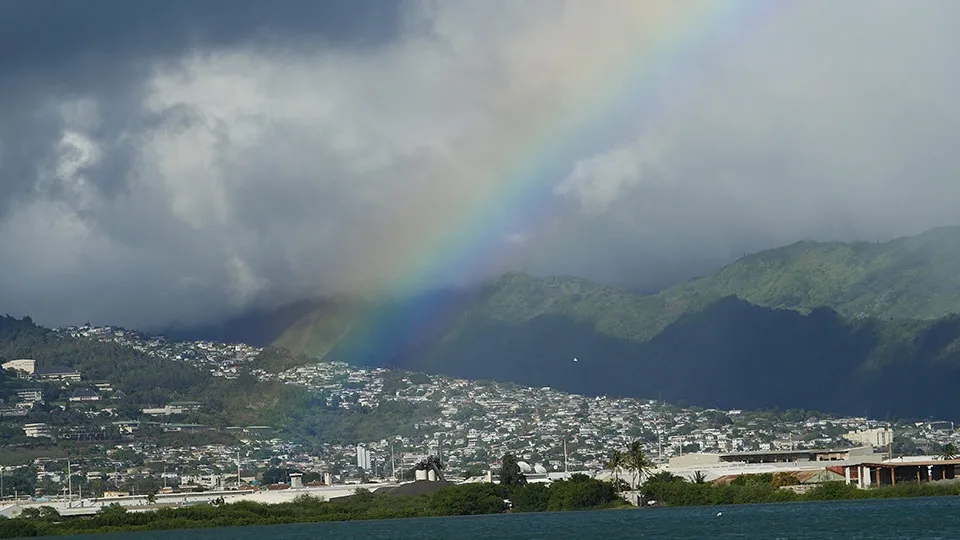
x: 472, y: 424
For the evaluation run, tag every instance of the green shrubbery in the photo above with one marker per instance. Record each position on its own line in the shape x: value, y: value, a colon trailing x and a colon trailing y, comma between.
x: 758, y: 488
x: 579, y: 493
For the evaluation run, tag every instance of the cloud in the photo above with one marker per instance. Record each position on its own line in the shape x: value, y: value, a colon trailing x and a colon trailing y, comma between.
x: 599, y: 181
x: 178, y: 162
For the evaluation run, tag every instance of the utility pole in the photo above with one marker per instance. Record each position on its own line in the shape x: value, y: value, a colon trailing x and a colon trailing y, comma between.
x: 238, y: 469
x: 393, y: 464
x: 660, y: 426
x: 69, y: 485
x: 566, y: 472
x: 1, y: 481
x: 660, y: 440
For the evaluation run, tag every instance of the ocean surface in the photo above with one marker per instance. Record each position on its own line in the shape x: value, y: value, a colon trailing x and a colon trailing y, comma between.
x: 927, y: 518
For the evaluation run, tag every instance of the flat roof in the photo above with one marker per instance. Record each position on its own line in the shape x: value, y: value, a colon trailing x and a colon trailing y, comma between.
x: 55, y: 370
x: 793, y: 452
x: 928, y: 463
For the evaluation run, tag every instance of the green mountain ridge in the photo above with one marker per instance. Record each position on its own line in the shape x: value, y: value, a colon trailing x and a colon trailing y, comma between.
x: 907, y: 278
x: 868, y: 309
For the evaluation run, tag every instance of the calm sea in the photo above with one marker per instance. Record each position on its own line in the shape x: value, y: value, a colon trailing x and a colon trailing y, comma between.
x: 934, y: 518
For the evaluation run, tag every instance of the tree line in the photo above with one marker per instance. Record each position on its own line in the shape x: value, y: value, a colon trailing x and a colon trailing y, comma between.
x: 578, y: 493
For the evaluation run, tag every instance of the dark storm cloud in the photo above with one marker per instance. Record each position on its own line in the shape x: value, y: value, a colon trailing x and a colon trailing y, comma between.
x: 178, y: 161
x: 45, y: 36
x: 52, y: 50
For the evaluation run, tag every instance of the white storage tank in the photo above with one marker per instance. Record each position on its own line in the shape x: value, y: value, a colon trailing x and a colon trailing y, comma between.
x: 296, y: 480
x: 420, y: 475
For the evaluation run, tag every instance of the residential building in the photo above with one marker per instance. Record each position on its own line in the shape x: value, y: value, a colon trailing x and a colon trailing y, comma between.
x: 878, y: 438
x: 61, y: 374
x: 9, y: 412
x: 30, y: 395
x: 37, y: 430
x: 178, y: 407
x: 84, y: 394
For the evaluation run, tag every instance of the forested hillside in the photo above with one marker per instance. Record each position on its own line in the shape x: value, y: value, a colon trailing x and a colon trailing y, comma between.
x: 837, y: 326
x: 908, y: 278
x: 145, y: 381
x: 139, y: 376
x: 732, y: 355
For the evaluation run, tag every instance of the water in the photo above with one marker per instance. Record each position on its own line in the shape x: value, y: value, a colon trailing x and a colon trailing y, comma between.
x: 920, y: 519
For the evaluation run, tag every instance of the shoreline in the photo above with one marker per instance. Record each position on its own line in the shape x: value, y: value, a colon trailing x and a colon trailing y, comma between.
x: 447, y: 503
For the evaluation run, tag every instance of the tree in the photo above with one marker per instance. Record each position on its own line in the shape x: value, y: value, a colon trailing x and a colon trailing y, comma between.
x: 363, y: 495
x: 948, y: 451
x: 699, y: 477
x: 781, y: 479
x: 112, y: 508
x: 49, y: 513
x: 468, y: 499
x: 637, y: 462
x: 277, y: 475
x: 30, y: 513
x: 23, y: 480
x: 617, y: 461
x: 579, y: 492
x: 510, y: 474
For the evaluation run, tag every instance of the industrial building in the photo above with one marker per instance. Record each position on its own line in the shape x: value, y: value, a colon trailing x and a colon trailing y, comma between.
x: 860, y: 453
x: 363, y: 458
x: 897, y: 471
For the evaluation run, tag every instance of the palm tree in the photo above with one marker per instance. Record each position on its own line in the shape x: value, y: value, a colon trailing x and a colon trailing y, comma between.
x: 637, y: 461
x: 617, y: 461
x: 949, y: 451
x: 699, y: 477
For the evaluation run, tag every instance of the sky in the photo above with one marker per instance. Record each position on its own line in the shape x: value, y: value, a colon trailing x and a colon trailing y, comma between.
x: 179, y: 162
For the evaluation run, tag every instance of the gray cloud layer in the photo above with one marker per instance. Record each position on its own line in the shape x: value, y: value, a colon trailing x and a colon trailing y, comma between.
x: 181, y: 161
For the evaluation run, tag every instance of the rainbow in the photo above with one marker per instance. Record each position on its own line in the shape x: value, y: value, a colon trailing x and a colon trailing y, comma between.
x: 465, y: 235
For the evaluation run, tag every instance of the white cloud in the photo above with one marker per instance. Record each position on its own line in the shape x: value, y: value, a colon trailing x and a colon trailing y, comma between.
x: 600, y: 180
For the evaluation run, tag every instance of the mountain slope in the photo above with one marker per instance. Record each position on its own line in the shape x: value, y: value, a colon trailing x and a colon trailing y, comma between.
x: 731, y: 355
x: 863, y: 317
x: 907, y: 278
x: 734, y: 354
